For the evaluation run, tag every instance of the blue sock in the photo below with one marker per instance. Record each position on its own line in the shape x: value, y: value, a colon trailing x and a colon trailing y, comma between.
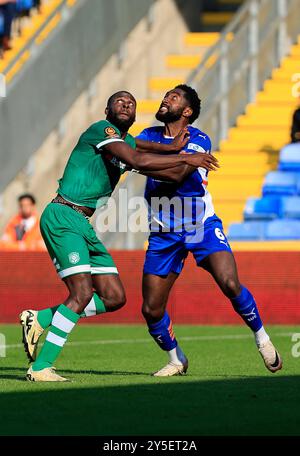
x: 245, y: 306
x: 162, y: 333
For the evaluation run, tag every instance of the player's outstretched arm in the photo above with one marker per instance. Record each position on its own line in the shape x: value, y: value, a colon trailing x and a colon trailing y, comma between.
x: 179, y: 173
x: 176, y: 145
x: 156, y: 162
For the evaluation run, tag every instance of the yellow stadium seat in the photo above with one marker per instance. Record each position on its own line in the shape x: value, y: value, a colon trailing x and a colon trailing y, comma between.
x: 183, y: 61
x: 201, y: 39
x: 275, y: 98
x: 290, y: 64
x: 137, y: 128
x: 216, y: 18
x: 148, y: 106
x: 253, y: 109
x: 164, y: 83
x: 239, y: 147
x: 262, y: 137
x: 280, y: 75
x: 295, y: 51
x: 232, y: 160
x: 263, y: 121
x: 235, y: 188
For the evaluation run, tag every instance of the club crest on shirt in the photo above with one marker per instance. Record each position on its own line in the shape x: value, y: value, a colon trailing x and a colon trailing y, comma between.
x: 110, y: 131
x: 74, y: 257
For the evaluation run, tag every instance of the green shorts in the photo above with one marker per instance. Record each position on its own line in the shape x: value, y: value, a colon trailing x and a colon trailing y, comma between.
x: 72, y: 243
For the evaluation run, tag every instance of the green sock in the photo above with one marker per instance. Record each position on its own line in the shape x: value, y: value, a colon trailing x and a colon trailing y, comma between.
x: 63, y: 322
x: 95, y: 307
x: 44, y: 317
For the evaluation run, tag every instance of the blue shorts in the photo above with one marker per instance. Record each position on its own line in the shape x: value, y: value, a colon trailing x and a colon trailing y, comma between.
x: 167, y: 251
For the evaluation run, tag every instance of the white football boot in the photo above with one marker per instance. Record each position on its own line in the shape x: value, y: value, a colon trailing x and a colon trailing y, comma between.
x: 271, y: 357
x: 172, y: 369
x: 45, y: 375
x: 32, y: 331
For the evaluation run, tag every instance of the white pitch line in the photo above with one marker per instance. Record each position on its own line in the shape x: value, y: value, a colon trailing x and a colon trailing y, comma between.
x: 148, y: 340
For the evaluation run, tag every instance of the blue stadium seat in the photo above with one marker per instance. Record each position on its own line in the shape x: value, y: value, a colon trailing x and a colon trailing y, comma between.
x: 283, y: 229
x: 289, y: 159
x: 291, y: 207
x: 267, y: 208
x: 247, y: 231
x: 280, y: 183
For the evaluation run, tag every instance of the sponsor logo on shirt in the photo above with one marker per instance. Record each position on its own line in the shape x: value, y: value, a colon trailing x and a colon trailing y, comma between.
x: 195, y: 147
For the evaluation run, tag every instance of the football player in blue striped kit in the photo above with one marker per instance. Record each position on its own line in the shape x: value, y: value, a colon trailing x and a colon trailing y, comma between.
x: 196, y: 229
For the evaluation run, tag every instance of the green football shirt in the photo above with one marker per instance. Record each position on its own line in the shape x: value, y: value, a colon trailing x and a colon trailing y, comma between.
x: 92, y: 173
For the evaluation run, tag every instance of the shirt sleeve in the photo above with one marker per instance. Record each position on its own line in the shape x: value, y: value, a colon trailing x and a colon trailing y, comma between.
x: 143, y: 135
x: 104, y: 133
x: 199, y: 143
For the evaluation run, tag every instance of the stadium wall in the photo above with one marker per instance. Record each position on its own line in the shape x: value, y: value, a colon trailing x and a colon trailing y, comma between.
x: 28, y: 280
x: 54, y: 98
x: 61, y: 69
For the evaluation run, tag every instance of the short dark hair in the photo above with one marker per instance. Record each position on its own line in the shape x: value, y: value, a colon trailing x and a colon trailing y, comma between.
x: 193, y: 100
x: 27, y: 196
x: 118, y: 94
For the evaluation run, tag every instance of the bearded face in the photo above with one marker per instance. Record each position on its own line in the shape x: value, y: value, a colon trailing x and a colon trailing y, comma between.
x: 169, y: 113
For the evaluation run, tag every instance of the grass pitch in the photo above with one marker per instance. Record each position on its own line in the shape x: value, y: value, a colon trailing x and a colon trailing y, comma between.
x: 227, y: 390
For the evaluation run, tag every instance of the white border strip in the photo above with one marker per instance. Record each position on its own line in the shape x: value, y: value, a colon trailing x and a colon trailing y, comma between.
x: 56, y: 340
x: 90, y: 310
x: 74, y: 270
x: 104, y: 270
x: 108, y: 141
x: 62, y: 323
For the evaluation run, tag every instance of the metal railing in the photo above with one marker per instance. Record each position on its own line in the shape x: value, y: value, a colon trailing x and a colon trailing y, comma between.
x: 233, y: 70
x: 231, y: 73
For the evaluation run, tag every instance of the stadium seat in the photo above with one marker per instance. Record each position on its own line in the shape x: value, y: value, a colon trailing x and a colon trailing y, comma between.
x: 289, y: 159
x: 283, y: 229
x: 247, y: 231
x: 291, y: 207
x: 280, y: 183
x: 267, y: 208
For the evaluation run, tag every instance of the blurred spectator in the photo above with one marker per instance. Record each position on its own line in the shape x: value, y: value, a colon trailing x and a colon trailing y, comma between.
x: 295, y: 132
x: 10, y: 9
x: 8, y: 12
x: 22, y: 232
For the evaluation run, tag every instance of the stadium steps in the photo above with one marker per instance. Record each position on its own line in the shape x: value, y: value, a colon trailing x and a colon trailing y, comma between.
x: 215, y: 19
x: 255, y: 141
x: 19, y: 43
x: 179, y: 66
x: 158, y: 85
x: 177, y: 69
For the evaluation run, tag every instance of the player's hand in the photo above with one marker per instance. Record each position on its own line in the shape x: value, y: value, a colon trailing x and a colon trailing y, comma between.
x: 180, y: 140
x: 206, y: 161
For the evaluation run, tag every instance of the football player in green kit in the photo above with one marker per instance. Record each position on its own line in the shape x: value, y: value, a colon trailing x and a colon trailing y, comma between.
x: 103, y: 153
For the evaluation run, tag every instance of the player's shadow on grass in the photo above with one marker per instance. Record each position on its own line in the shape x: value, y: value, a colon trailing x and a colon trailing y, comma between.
x: 100, y: 372
x: 266, y: 405
x: 6, y: 375
x: 22, y: 370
